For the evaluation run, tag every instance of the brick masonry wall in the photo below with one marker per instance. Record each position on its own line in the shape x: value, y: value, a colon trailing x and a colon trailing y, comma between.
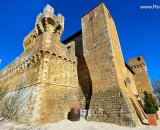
x: 42, y: 84
x: 109, y: 101
x: 58, y: 90
x: 19, y: 93
x: 84, y: 79
x: 45, y: 91
x: 133, y: 95
x: 132, y: 86
x: 141, y: 75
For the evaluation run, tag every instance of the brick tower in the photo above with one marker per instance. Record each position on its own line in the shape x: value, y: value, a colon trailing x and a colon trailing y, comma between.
x: 37, y: 86
x: 103, y: 56
x: 142, y: 81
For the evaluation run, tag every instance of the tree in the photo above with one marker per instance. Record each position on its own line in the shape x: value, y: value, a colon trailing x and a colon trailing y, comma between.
x: 150, y: 104
x: 156, y: 88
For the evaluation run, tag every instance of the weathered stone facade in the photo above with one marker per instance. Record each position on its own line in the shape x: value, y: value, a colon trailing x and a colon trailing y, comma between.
x: 133, y: 93
x: 42, y: 80
x: 87, y: 68
x: 142, y: 81
x: 101, y: 46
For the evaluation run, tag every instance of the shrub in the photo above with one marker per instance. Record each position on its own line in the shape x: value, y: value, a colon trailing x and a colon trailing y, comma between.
x: 150, y: 104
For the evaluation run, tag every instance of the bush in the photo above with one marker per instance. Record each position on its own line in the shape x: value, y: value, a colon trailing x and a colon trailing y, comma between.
x: 154, y: 102
x: 149, y: 110
x: 150, y: 104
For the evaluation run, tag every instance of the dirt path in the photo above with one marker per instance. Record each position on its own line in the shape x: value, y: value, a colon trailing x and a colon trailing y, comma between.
x: 80, y: 125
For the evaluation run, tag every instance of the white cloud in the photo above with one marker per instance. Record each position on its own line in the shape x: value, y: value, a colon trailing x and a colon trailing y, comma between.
x: 0, y: 61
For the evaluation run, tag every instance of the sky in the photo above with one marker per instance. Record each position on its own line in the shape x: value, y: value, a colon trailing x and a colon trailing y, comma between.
x: 138, y: 29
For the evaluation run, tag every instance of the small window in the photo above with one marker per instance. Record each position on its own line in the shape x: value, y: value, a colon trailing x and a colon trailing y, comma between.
x: 120, y: 94
x: 138, y: 58
x: 128, y: 81
x: 68, y: 47
x: 91, y: 16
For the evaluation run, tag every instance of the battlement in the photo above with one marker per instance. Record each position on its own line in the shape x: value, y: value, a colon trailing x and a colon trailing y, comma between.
x: 137, y: 59
x: 49, y: 18
x: 30, y: 40
x: 137, y: 62
x: 48, y: 9
x: 20, y: 63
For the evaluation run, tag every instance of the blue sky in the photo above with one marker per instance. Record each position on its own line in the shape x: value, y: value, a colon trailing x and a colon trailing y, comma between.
x: 138, y: 29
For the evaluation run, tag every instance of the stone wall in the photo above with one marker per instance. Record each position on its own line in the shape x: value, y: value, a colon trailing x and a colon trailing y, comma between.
x: 133, y: 94
x: 58, y: 90
x: 110, y: 100
x: 130, y: 81
x: 41, y: 85
x: 20, y: 105
x: 141, y: 75
x: 84, y: 80
x: 18, y: 89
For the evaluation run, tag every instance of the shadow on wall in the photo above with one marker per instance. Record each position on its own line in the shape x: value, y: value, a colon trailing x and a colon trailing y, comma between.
x: 84, y: 78
x: 84, y: 82
x: 137, y: 111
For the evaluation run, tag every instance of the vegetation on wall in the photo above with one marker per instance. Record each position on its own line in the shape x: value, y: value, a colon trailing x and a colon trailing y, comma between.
x: 15, y: 103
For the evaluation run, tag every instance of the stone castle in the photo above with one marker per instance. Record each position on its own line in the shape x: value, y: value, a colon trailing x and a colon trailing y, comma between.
x: 87, y: 68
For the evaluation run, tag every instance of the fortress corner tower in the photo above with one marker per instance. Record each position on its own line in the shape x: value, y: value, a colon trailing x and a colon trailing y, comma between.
x: 102, y: 52
x: 41, y: 85
x: 141, y: 77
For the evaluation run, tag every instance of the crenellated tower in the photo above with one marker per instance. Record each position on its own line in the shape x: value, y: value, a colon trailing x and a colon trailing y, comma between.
x: 41, y: 76
x: 47, y: 32
x: 141, y: 77
x: 49, y: 24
